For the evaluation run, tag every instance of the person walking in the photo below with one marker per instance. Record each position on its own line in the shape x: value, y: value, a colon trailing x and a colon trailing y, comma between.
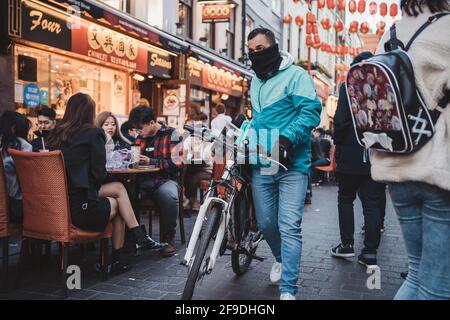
x: 286, y: 106
x: 353, y: 175
x: 419, y: 183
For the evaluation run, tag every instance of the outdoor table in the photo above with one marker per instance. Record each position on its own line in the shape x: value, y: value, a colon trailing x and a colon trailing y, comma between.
x: 130, y: 182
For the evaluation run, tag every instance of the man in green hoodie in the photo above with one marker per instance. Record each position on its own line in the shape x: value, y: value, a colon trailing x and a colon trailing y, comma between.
x: 285, y: 110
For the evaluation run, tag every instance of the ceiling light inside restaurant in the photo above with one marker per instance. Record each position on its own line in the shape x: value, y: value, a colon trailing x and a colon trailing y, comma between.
x: 138, y: 77
x: 224, y: 96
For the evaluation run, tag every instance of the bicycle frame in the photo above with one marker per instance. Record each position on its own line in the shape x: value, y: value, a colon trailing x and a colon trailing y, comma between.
x: 224, y: 223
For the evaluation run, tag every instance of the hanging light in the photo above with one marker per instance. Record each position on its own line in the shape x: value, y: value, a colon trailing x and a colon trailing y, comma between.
x: 320, y: 4
x: 338, y: 26
x: 393, y: 10
x: 299, y: 21
x: 325, y: 22
x: 287, y: 19
x: 373, y: 8
x: 352, y: 6
x: 341, y: 5
x: 383, y: 9
x: 309, y: 41
x: 361, y: 6
x: 353, y: 27
x: 364, y: 28
x: 331, y: 4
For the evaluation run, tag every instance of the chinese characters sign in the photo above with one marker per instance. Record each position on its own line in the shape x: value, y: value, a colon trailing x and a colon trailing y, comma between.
x: 109, y: 46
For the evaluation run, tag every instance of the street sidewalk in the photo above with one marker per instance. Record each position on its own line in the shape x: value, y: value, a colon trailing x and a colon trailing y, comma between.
x: 321, y: 276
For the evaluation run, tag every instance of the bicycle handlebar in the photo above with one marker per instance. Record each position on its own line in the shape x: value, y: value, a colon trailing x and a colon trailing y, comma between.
x: 235, y: 147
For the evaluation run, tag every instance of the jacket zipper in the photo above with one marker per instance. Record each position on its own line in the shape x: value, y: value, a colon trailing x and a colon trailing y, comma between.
x: 259, y: 95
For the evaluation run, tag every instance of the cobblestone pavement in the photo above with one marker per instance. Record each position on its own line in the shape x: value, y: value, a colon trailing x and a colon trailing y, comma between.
x: 321, y: 276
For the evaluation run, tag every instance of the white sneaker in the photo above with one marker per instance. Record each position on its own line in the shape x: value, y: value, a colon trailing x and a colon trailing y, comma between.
x: 275, y: 273
x: 287, y: 296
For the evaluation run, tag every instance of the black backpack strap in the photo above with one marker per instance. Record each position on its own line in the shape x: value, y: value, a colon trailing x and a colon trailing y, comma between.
x: 424, y: 26
x: 393, y: 43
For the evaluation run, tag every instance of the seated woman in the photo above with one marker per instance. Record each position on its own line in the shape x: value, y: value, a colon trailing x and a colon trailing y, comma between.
x: 14, y: 129
x: 83, y: 147
x: 108, y: 122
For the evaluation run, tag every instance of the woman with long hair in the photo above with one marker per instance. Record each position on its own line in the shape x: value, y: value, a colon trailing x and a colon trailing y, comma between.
x: 109, y: 123
x: 419, y: 183
x: 83, y: 148
x: 14, y: 129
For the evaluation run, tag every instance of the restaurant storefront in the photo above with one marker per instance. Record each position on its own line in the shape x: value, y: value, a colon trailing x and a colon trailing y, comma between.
x: 213, y: 82
x: 59, y: 52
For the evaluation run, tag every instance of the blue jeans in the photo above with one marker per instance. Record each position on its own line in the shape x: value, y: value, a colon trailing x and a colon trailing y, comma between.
x: 165, y: 194
x: 279, y: 201
x: 424, y: 214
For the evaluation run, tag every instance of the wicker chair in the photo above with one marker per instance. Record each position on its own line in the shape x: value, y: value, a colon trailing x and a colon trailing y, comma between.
x: 43, y: 181
x: 6, y: 228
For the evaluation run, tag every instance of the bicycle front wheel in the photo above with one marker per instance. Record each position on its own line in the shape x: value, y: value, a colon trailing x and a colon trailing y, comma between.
x: 211, y: 227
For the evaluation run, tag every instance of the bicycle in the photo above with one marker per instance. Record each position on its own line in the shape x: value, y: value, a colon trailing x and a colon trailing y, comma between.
x: 226, y: 216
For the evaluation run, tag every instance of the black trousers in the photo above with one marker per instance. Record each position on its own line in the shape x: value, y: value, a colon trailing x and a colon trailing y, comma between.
x: 373, y: 197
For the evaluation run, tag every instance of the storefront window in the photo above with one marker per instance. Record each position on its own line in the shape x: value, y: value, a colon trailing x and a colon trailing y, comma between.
x: 57, y: 77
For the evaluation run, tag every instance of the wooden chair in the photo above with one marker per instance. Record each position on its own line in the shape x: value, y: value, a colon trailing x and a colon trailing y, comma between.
x: 148, y: 205
x: 332, y: 166
x: 7, y: 229
x: 46, y: 209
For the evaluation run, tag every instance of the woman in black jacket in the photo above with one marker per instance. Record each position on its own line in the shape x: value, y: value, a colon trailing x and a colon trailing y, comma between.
x: 109, y: 123
x: 83, y: 148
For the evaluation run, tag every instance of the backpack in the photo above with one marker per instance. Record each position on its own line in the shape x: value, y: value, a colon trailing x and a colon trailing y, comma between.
x: 388, y: 112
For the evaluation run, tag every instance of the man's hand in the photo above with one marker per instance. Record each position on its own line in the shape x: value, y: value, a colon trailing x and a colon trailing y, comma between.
x: 284, y: 146
x: 144, y: 160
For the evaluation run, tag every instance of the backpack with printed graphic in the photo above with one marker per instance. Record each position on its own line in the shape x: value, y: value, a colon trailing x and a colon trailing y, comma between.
x: 388, y: 111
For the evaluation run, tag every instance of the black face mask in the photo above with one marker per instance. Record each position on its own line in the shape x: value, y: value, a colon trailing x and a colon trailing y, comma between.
x: 266, y: 62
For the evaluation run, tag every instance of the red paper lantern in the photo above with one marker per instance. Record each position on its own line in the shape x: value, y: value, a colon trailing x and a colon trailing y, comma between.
x: 323, y: 46
x: 338, y: 26
x: 352, y: 6
x: 287, y: 19
x: 380, y: 32
x: 308, y: 28
x: 296, y: 1
x: 316, y: 38
x: 309, y: 41
x: 383, y: 9
x: 314, y: 28
x: 299, y: 21
x: 320, y: 4
x: 364, y: 28
x: 353, y: 27
x: 325, y: 22
x: 310, y: 17
x: 373, y: 8
x: 330, y: 4
x: 393, y: 10
x: 361, y: 6
x: 381, y: 25
x: 341, y: 5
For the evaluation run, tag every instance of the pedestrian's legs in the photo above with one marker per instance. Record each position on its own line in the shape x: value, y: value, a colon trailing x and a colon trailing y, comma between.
x: 434, y: 269
x: 408, y: 205
x: 292, y: 191
x: 265, y: 198
x: 348, y: 186
x: 371, y: 198
x: 166, y: 197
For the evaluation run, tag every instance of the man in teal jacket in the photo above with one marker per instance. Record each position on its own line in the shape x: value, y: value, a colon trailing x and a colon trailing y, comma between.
x: 285, y: 110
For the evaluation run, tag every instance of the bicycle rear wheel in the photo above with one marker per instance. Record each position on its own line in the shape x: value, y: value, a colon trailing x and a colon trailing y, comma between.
x: 211, y: 227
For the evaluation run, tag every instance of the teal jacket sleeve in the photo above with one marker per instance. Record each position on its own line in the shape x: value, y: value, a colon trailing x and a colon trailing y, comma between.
x: 306, y: 105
